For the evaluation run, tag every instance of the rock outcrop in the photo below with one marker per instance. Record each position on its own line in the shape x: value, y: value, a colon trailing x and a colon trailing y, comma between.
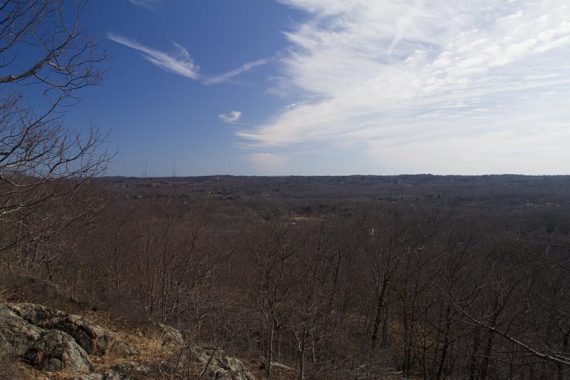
x: 56, y: 351
x: 52, y: 341
x: 16, y: 334
x: 91, y: 337
x: 216, y: 364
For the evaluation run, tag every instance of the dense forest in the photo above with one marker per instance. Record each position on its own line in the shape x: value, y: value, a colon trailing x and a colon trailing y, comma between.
x: 325, y: 277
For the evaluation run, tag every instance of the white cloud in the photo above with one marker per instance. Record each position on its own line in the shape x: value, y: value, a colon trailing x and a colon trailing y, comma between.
x: 267, y: 162
x: 149, y: 4
x: 424, y: 83
x: 180, y: 63
x: 240, y: 70
x: 230, y: 117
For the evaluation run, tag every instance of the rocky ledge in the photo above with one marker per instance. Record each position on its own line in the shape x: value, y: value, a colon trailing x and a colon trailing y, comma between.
x: 55, y: 344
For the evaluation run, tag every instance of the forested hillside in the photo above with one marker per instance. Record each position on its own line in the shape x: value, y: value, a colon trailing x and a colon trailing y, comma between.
x: 329, y: 277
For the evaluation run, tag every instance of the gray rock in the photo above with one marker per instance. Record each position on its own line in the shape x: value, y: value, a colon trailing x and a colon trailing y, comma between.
x: 6, y: 348
x: 131, y: 369
x: 123, y: 349
x: 218, y: 365
x: 55, y: 351
x: 91, y: 337
x: 16, y: 334
x: 33, y: 313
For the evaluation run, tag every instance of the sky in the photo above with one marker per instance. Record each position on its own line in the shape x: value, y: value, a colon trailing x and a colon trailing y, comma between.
x: 332, y: 87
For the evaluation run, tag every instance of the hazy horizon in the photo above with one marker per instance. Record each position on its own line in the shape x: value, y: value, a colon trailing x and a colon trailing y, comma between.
x: 329, y: 175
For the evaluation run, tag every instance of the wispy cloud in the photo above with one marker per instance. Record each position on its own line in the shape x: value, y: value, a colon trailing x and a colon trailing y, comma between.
x: 179, y: 62
x: 148, y: 4
x: 240, y: 70
x: 230, y: 117
x: 449, y: 85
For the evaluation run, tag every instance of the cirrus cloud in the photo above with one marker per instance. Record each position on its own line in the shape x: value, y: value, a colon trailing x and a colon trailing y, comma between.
x: 148, y: 4
x: 181, y: 63
x: 418, y: 84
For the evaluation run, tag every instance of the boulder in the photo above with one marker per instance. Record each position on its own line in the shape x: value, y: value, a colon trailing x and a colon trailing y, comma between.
x: 94, y: 339
x: 122, y: 348
x: 216, y: 364
x: 5, y: 346
x: 55, y: 351
x: 16, y: 334
x: 132, y: 370
x: 50, y: 340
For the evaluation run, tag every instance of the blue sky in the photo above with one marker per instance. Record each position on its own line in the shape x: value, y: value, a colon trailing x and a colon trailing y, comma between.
x: 332, y: 86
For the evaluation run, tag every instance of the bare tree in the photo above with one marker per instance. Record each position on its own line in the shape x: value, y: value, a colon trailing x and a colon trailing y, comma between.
x: 271, y: 250
x: 387, y: 245
x: 45, y: 58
